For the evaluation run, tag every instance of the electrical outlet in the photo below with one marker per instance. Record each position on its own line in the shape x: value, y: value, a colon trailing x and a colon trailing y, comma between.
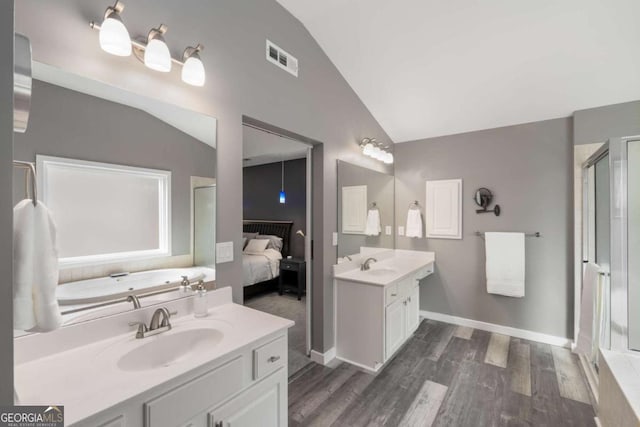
x: 224, y: 252
x: 335, y: 239
x: 401, y: 230
x: 387, y: 230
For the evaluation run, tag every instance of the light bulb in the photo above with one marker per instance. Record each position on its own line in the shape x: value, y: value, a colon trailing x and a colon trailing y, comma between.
x: 157, y: 55
x: 368, y: 149
x: 114, y: 37
x: 193, y: 71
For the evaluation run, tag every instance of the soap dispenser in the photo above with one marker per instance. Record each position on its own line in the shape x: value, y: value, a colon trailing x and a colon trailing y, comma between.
x: 200, y: 306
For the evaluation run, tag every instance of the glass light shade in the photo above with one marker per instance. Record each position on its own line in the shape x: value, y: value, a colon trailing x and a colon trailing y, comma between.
x: 377, y: 153
x: 283, y: 197
x: 368, y: 149
x: 388, y: 158
x: 193, y: 71
x: 157, y: 55
x: 114, y: 37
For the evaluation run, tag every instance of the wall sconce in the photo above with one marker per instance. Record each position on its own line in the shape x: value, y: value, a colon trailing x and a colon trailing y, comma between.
x: 373, y: 149
x: 152, y: 51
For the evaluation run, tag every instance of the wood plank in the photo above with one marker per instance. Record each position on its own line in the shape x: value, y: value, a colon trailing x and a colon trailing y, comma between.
x: 425, y: 406
x: 570, y: 380
x: 463, y: 332
x: 520, y: 368
x: 442, y: 342
x: 498, y: 350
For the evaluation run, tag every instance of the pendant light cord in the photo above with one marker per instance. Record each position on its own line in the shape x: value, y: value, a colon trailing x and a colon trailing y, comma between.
x: 282, y: 182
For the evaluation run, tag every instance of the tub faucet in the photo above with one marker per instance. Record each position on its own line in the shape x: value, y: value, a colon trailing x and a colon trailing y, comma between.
x: 134, y: 299
x: 366, y: 265
x: 185, y: 285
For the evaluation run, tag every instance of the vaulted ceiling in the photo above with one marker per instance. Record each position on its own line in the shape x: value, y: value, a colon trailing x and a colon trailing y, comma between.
x: 427, y: 68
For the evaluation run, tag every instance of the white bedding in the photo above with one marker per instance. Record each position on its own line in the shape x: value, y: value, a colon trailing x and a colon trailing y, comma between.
x: 258, y: 268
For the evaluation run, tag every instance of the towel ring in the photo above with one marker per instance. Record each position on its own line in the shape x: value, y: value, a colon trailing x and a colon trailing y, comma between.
x: 29, y: 179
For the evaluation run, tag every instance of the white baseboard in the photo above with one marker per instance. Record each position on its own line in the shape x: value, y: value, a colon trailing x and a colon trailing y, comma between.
x: 323, y: 358
x: 499, y: 329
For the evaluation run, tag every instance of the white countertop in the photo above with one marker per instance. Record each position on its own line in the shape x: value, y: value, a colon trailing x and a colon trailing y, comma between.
x: 86, y: 380
x: 396, y: 264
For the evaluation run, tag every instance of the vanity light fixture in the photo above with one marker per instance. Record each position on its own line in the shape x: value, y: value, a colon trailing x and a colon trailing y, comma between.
x: 152, y: 50
x: 372, y: 149
x: 283, y: 196
x: 193, y: 68
x: 156, y: 53
x: 114, y: 37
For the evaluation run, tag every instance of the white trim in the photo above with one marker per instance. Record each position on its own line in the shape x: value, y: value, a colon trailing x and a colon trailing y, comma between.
x: 361, y: 366
x: 590, y: 374
x: 499, y: 329
x: 323, y: 358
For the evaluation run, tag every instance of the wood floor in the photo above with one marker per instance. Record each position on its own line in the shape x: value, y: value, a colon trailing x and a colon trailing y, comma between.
x: 448, y: 376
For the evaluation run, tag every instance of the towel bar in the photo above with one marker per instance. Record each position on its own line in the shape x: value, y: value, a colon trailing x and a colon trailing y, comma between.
x: 536, y: 234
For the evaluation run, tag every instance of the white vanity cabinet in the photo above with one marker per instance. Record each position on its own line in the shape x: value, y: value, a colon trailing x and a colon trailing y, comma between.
x: 373, y: 319
x: 248, y: 389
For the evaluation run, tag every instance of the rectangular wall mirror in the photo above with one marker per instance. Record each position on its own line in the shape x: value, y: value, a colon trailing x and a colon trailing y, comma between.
x: 365, y: 209
x: 130, y: 184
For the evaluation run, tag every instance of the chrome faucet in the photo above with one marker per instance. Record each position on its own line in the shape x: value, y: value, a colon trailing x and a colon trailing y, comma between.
x: 366, y: 265
x: 185, y: 285
x: 159, y: 323
x: 134, y: 299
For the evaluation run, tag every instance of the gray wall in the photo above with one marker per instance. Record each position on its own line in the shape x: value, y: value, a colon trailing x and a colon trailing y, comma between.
x: 529, y: 169
x: 65, y: 123
x: 379, y: 190
x: 601, y: 123
x: 6, y: 208
x: 261, y: 187
x: 319, y: 104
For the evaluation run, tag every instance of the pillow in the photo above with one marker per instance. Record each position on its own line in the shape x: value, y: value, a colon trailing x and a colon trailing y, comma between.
x: 275, y: 242
x: 248, y: 236
x: 256, y: 246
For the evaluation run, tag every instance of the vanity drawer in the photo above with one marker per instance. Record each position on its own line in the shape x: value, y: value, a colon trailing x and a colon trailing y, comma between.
x: 405, y: 287
x: 390, y: 294
x: 424, y: 272
x: 269, y: 357
x: 179, y: 405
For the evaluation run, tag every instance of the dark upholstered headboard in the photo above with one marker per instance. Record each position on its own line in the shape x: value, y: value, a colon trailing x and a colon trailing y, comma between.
x: 275, y: 228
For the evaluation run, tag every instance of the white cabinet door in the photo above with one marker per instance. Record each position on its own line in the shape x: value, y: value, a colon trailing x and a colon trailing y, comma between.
x: 413, y: 311
x: 394, y: 327
x: 444, y: 209
x: 263, y: 405
x: 354, y: 209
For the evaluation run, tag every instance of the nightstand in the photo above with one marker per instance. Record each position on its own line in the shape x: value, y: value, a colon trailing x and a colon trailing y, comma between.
x: 292, y: 275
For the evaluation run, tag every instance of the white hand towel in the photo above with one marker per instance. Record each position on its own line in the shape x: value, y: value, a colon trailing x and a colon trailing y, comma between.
x: 505, y: 263
x: 587, y: 307
x: 35, y: 263
x: 373, y: 227
x: 414, y: 224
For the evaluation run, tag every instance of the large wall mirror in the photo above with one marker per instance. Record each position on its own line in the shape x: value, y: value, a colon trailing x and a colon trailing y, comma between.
x: 130, y: 184
x: 365, y: 209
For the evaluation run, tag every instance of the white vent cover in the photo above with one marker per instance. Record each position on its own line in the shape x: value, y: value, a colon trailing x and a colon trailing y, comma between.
x: 281, y: 58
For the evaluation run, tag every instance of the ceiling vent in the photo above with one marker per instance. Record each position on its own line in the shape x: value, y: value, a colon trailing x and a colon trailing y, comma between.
x: 281, y: 58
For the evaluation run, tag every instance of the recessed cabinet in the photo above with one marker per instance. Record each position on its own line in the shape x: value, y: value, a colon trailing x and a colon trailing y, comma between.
x: 373, y: 321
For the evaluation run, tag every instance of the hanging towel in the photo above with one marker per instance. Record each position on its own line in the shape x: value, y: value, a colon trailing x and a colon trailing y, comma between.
x: 505, y: 263
x: 373, y: 227
x: 585, y: 341
x: 35, y: 263
x: 414, y: 224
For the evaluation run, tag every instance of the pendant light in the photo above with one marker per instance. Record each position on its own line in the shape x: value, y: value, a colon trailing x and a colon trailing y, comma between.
x: 156, y: 53
x: 283, y: 196
x: 114, y: 37
x: 193, y: 69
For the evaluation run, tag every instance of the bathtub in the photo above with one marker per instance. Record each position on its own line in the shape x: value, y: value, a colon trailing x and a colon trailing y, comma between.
x: 109, y: 288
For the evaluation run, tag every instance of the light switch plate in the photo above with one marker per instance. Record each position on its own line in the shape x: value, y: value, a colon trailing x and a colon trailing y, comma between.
x: 387, y: 230
x: 224, y: 252
x: 401, y: 230
x: 335, y: 239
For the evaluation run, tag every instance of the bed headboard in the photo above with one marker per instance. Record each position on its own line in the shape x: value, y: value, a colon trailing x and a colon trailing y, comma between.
x: 275, y: 228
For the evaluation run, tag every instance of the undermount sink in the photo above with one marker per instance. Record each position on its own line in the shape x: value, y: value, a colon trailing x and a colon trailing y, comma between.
x: 166, y: 350
x: 380, y: 271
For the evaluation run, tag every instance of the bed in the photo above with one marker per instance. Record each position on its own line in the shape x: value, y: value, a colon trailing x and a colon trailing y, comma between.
x: 260, y: 272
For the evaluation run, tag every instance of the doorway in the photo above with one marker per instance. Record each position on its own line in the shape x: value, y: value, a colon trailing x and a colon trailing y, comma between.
x: 277, y: 208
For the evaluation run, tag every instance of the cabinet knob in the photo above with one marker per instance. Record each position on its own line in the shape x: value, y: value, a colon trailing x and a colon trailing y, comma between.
x: 394, y: 295
x: 273, y: 359
x: 409, y: 299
